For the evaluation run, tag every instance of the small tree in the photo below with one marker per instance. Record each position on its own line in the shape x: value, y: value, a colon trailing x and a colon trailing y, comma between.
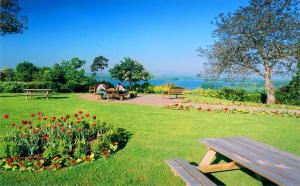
x: 130, y: 70
x: 99, y: 63
x: 10, y: 22
x: 259, y: 39
x: 25, y: 71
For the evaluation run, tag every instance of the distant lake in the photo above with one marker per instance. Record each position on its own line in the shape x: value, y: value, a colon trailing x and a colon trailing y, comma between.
x: 193, y: 83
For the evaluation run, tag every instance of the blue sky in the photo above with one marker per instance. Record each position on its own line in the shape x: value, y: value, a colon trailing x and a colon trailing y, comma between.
x: 161, y: 34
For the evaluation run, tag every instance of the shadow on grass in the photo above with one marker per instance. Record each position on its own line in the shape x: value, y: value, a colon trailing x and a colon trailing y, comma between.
x: 126, y: 136
x: 220, y: 157
x: 11, y: 95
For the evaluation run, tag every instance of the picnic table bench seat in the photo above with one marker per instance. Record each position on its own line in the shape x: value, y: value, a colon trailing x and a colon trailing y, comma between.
x: 189, y: 173
x: 277, y: 166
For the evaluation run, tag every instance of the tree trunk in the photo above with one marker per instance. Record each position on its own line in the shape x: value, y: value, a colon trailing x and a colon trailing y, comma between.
x: 101, y: 78
x: 269, y: 85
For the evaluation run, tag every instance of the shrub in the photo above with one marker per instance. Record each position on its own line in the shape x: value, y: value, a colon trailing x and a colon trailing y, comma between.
x: 18, y: 87
x: 55, y: 142
x: 230, y: 94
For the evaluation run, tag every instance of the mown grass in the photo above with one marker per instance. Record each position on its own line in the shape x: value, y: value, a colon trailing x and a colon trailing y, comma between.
x: 158, y: 134
x: 210, y: 100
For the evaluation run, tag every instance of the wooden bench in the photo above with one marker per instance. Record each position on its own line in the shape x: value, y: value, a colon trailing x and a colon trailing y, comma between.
x: 173, y: 91
x: 275, y: 165
x: 189, y: 173
x: 37, y: 92
x: 92, y: 89
x: 112, y: 93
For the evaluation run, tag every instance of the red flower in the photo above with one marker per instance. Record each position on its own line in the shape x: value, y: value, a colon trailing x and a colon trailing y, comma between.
x: 226, y: 109
x: 75, y: 115
x: 29, y: 122
x: 45, y: 118
x: 5, y: 116
x: 69, y: 131
x: 60, y: 125
x: 80, y: 112
x: 208, y: 109
x: 94, y: 124
x: 62, y: 118
x: 24, y: 122
x: 105, y: 152
x: 94, y: 117
x: 87, y: 115
x: 40, y: 114
x: 78, y: 121
x: 45, y: 137
x: 54, y: 126
x: 67, y: 116
x: 62, y: 129
x: 53, y: 118
x: 13, y: 124
x: 32, y: 115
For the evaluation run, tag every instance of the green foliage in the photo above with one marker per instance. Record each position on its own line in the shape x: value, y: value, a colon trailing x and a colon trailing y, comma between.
x: 80, y: 149
x: 7, y: 74
x: 49, y: 153
x: 146, y: 87
x: 230, y: 94
x: 25, y: 71
x: 290, y: 94
x: 96, y: 145
x: 11, y: 21
x: 61, y: 141
x: 4, y: 148
x: 18, y: 87
x: 130, y: 70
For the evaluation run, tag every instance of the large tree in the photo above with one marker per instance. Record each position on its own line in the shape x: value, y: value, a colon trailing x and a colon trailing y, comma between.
x: 10, y: 20
x: 257, y: 39
x: 99, y: 63
x: 25, y: 71
x: 130, y: 70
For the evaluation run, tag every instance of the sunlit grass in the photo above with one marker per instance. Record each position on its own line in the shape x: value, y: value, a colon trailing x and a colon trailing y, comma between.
x: 158, y: 134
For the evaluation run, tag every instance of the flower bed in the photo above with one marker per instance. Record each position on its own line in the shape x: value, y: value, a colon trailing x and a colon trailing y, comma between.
x: 233, y: 110
x: 50, y: 143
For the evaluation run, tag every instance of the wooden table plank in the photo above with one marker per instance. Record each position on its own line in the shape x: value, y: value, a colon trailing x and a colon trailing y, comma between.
x: 271, y: 149
x: 278, y: 160
x: 260, y: 159
x: 217, y: 145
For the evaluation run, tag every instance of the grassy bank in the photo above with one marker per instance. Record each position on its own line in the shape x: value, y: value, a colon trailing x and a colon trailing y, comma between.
x: 157, y: 134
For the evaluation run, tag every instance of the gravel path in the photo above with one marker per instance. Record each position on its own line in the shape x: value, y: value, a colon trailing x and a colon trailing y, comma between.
x: 159, y: 100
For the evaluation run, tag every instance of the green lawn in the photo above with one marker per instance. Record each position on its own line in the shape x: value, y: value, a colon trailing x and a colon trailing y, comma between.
x: 158, y: 134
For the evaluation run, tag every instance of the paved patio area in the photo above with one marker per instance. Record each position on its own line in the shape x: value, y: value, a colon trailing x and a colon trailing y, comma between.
x: 142, y: 99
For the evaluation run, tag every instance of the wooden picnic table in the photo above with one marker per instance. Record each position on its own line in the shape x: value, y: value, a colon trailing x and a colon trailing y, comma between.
x: 37, y: 92
x: 278, y: 166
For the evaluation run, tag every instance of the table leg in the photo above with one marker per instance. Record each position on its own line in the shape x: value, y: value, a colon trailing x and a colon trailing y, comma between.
x: 206, y: 165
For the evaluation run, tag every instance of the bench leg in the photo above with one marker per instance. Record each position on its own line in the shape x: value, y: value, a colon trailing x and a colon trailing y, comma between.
x: 206, y: 167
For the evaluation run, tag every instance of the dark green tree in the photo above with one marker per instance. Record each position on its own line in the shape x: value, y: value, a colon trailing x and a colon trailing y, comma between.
x: 25, y: 71
x: 99, y: 63
x: 130, y: 70
x: 7, y: 74
x: 257, y: 39
x: 10, y: 21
